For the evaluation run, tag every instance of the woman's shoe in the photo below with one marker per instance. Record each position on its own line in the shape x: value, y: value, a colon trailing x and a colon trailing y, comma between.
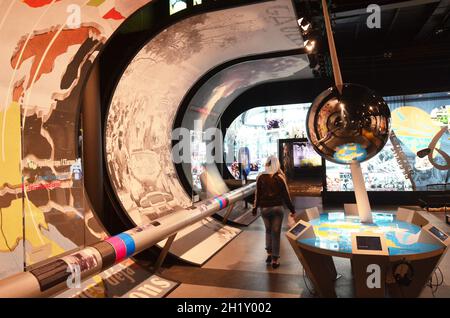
x: 275, y: 264
x: 269, y: 259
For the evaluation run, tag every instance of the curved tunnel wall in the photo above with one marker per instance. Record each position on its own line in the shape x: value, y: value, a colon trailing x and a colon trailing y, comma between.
x: 205, y: 109
x: 138, y: 137
x: 120, y: 49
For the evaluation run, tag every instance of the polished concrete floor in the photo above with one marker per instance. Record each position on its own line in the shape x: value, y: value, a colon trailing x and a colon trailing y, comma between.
x: 239, y: 269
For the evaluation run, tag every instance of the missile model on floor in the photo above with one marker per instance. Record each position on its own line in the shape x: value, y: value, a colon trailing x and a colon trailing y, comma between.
x: 60, y: 274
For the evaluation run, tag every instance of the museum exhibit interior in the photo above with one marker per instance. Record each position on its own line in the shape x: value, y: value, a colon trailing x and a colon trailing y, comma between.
x: 136, y: 137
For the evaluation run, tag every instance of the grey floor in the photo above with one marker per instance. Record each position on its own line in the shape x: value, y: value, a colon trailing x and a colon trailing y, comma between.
x: 239, y: 270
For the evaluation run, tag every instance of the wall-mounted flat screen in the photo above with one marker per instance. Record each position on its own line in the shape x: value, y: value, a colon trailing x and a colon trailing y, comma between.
x: 368, y: 243
x: 439, y: 234
x: 304, y: 155
x: 300, y: 161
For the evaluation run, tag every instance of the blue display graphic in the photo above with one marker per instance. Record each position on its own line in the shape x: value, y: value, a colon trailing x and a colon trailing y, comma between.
x: 334, y: 232
x: 349, y: 152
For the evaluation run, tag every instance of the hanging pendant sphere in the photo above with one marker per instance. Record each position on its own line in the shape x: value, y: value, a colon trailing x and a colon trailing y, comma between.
x: 348, y: 124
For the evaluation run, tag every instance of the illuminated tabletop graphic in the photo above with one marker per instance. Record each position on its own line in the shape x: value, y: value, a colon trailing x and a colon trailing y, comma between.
x: 349, y: 152
x: 334, y: 230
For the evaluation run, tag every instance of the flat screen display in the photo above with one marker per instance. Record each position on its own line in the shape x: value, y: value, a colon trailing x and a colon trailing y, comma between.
x: 368, y: 243
x: 305, y: 156
x: 298, y: 229
x: 439, y: 234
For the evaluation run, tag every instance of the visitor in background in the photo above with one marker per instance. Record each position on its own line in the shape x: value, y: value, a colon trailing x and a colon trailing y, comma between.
x: 288, y: 164
x: 271, y: 193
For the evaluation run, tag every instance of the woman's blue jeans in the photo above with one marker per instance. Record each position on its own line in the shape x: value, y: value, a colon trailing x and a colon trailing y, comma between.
x: 273, y: 219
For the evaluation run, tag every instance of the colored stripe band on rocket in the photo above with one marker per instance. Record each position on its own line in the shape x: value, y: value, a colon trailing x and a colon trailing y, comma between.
x: 123, y: 245
x: 223, y: 202
x: 129, y: 243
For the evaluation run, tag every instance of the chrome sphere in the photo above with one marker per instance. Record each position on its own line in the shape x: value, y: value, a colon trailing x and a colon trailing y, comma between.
x: 351, y: 124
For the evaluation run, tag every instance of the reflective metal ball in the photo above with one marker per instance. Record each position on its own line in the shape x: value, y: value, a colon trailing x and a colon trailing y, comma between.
x: 348, y: 124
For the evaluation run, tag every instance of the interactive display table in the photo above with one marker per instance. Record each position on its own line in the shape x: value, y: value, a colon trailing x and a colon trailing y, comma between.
x: 334, y: 233
x: 389, y: 257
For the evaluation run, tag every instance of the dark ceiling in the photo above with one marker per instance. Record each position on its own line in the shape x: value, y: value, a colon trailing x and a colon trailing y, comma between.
x: 411, y: 50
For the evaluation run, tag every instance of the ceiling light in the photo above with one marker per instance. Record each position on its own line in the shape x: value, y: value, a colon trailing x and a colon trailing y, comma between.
x: 310, y: 45
x: 304, y: 25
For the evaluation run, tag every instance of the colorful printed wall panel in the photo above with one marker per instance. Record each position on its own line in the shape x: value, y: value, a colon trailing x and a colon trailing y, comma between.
x: 47, y: 49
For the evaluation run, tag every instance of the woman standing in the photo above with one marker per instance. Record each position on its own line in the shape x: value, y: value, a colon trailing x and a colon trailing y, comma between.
x: 271, y: 193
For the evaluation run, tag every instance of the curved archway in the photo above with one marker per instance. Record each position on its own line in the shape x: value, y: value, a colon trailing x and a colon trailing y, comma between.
x: 147, y: 98
x: 142, y: 131
x: 206, y: 108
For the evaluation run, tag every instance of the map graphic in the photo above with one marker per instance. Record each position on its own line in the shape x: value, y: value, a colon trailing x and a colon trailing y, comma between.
x: 414, y: 127
x: 349, y: 152
x: 334, y: 232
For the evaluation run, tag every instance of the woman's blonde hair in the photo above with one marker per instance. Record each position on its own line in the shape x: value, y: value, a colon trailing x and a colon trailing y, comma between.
x: 273, y: 166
